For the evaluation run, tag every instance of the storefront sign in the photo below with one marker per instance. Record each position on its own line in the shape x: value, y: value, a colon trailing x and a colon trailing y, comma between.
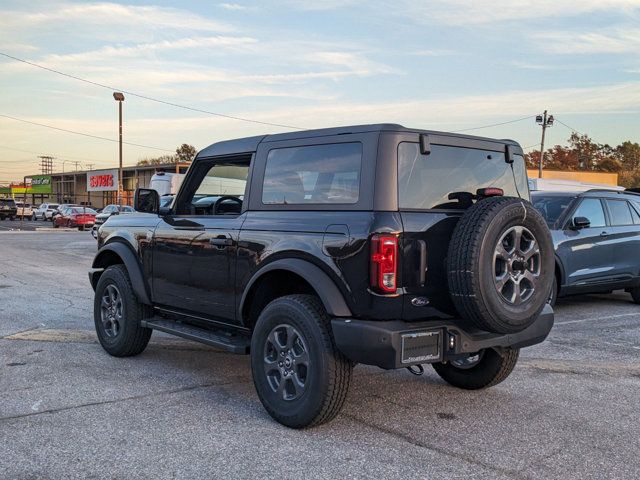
x: 102, y: 181
x: 40, y: 184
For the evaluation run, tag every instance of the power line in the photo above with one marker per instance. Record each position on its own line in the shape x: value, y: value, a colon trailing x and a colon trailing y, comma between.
x: 41, y: 153
x: 569, y: 127
x: 145, y: 97
x: 494, y: 124
x: 81, y: 133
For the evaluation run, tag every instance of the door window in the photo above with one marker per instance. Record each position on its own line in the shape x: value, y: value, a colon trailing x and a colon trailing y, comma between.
x: 591, y: 208
x: 620, y: 213
x: 220, y: 180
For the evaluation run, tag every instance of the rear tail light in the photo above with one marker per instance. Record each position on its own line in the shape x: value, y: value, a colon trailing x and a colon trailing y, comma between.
x: 490, y: 192
x: 384, y: 263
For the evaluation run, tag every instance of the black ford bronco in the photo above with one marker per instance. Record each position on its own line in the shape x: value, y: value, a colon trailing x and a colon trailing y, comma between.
x: 316, y: 250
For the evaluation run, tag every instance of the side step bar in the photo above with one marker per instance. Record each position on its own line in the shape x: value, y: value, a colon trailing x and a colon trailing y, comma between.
x: 216, y: 338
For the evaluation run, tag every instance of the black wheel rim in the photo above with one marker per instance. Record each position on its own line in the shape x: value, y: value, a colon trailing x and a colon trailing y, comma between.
x: 469, y: 361
x: 516, y: 263
x: 286, y: 362
x: 111, y: 311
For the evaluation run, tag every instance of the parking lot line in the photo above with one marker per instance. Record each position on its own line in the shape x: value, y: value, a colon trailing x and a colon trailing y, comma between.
x: 593, y: 319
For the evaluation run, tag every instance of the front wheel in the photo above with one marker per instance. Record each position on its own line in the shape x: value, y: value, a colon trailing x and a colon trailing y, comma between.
x: 301, y: 377
x: 117, y: 314
x: 483, y: 369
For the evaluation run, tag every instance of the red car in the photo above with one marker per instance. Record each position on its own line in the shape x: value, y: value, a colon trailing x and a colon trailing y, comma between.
x: 81, y: 217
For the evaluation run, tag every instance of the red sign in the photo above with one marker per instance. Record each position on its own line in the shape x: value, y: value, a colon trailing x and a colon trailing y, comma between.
x: 102, y: 181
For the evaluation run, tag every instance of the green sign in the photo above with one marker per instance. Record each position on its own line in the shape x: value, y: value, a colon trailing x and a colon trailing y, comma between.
x: 40, y: 184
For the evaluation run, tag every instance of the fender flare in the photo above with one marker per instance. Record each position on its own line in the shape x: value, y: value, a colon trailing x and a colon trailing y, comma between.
x: 329, y: 294
x: 130, y: 262
x: 560, y: 267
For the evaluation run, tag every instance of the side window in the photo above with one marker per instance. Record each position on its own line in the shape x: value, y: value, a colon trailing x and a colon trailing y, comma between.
x: 591, y: 208
x: 220, y: 180
x: 634, y: 213
x: 620, y: 213
x: 313, y: 175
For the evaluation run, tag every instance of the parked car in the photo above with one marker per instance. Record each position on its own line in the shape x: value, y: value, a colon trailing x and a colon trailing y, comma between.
x: 58, y: 210
x: 317, y: 250
x: 596, y: 236
x: 8, y: 208
x: 45, y: 211
x: 24, y: 210
x: 104, y: 214
x: 81, y: 217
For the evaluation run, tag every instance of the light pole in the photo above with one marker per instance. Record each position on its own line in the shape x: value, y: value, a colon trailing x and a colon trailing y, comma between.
x: 119, y: 97
x: 544, y: 121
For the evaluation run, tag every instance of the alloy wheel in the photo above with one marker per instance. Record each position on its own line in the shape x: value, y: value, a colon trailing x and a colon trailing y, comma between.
x: 111, y: 312
x: 286, y: 362
x: 516, y: 264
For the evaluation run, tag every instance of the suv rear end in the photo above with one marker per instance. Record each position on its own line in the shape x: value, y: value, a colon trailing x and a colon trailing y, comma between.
x: 8, y: 209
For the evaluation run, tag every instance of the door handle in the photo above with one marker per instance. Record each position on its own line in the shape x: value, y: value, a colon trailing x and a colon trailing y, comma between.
x: 221, y: 241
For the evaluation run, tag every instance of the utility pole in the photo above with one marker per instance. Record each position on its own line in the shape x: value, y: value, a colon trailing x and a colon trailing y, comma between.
x: 544, y: 121
x: 119, y: 97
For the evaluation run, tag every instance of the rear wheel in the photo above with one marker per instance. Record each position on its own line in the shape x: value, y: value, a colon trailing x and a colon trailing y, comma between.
x: 300, y: 376
x: 483, y: 369
x: 117, y: 314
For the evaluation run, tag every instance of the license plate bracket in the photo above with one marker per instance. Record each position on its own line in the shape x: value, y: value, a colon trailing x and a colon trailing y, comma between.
x: 421, y: 347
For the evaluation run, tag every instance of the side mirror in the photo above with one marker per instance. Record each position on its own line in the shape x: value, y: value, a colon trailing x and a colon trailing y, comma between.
x: 146, y: 200
x: 581, y: 222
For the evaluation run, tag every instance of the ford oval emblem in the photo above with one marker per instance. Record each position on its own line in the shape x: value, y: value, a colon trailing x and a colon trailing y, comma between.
x: 420, y: 301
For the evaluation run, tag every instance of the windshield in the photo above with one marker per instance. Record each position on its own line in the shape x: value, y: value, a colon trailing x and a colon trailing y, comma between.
x: 551, y: 206
x: 450, y: 176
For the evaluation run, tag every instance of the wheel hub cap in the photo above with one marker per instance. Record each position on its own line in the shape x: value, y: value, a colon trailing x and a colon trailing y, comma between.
x: 516, y: 264
x: 111, y: 313
x: 286, y: 362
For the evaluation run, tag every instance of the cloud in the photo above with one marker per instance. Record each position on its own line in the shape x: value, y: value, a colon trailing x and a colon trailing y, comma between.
x: 615, y: 40
x: 232, y: 6
x: 475, y: 12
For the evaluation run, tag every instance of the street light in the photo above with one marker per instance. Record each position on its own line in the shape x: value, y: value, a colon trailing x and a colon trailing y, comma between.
x: 544, y: 121
x: 119, y: 97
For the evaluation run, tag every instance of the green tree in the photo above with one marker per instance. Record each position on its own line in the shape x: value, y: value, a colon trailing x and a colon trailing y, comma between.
x: 186, y: 152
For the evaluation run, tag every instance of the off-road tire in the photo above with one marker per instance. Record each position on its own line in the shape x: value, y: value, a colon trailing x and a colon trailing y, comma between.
x: 132, y: 339
x: 493, y: 368
x: 471, y: 271
x: 329, y: 372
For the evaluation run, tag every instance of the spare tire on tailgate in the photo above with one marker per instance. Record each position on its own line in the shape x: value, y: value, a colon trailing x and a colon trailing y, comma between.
x: 500, y: 264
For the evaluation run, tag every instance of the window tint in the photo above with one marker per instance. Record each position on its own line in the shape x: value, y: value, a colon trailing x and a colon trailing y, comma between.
x: 313, y: 175
x: 591, y: 208
x: 449, y: 176
x: 620, y: 213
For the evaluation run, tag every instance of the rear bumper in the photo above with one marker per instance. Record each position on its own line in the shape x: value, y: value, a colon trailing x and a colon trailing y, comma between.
x: 380, y: 343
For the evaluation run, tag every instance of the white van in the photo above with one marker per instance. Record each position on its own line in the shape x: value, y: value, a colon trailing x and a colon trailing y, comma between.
x: 166, y: 183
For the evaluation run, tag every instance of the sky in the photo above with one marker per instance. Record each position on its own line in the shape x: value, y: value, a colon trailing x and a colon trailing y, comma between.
x: 442, y: 65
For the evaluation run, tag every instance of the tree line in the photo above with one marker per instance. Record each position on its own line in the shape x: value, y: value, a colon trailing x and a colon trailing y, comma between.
x: 583, y: 154
x: 185, y: 153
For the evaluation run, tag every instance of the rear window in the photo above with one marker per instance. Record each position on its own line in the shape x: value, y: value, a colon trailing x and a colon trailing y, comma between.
x: 313, y: 175
x: 7, y: 202
x: 620, y: 213
x: 448, y: 176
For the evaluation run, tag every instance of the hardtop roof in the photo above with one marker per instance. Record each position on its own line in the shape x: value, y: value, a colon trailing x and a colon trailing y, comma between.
x: 250, y: 144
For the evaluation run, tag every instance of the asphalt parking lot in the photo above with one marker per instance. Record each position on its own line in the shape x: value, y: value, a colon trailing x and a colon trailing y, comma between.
x: 181, y: 410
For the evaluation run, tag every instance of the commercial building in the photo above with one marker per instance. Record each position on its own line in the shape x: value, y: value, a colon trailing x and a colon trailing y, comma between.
x: 89, y: 187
